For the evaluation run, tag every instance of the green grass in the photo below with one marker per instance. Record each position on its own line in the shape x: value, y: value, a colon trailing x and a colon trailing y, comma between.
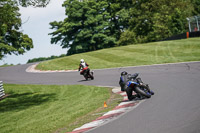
x: 50, y: 108
x: 131, y: 55
x: 6, y: 65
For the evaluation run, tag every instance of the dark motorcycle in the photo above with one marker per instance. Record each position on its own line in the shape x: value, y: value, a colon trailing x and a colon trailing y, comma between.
x: 130, y: 83
x: 87, y: 73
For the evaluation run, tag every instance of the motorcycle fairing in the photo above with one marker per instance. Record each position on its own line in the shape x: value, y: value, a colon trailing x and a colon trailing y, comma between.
x: 132, y: 82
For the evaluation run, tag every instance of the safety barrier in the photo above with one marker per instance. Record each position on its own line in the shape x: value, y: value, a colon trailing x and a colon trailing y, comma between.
x: 2, y: 93
x: 184, y: 36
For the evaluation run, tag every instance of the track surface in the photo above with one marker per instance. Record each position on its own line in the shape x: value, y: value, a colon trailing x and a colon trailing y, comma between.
x: 175, y: 107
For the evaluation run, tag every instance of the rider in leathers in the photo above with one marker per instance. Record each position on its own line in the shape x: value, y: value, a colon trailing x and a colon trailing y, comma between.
x: 83, y: 65
x: 123, y: 80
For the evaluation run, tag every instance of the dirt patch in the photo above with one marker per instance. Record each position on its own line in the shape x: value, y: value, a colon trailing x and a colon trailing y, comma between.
x: 6, y: 95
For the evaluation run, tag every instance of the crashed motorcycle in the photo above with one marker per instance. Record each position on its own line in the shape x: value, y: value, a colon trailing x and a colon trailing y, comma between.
x: 130, y: 83
x: 87, y: 73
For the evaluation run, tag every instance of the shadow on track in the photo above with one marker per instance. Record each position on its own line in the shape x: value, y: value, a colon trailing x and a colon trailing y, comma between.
x: 84, y: 80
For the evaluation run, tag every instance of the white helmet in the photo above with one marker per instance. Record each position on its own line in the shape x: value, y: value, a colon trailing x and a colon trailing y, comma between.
x: 82, y: 60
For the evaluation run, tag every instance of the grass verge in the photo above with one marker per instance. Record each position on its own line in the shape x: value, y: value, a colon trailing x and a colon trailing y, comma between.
x: 52, y: 108
x: 5, y: 65
x: 131, y: 55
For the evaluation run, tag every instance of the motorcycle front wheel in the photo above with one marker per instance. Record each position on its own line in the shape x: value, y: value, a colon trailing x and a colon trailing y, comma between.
x: 85, y: 76
x: 142, y: 91
x: 91, y: 76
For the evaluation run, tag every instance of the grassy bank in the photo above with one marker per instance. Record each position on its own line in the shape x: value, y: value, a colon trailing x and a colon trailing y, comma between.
x: 51, y: 108
x: 131, y: 55
x: 6, y: 65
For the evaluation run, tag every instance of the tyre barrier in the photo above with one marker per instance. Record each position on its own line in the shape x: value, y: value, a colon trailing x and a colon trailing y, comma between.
x: 2, y: 92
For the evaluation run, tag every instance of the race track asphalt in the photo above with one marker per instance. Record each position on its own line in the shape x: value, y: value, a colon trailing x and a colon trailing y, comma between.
x: 175, y: 107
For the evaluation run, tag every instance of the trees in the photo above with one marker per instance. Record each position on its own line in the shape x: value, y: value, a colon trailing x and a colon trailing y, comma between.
x: 196, y: 5
x: 86, y: 27
x: 12, y: 40
x: 35, y: 3
x: 96, y: 24
x: 44, y: 58
x: 91, y: 24
x: 119, y: 12
x: 154, y: 20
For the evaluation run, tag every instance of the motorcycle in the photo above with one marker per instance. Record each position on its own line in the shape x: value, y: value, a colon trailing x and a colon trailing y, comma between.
x: 87, y: 73
x: 130, y: 83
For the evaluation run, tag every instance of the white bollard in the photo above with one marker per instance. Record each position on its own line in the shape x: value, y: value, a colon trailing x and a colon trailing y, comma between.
x: 2, y: 92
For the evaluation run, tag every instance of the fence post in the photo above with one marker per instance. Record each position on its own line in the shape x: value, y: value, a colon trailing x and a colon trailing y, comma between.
x: 2, y: 93
x: 187, y: 34
x: 188, y: 19
x: 197, y: 23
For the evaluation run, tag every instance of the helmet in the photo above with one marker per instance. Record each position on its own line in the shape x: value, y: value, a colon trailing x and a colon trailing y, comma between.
x: 124, y: 73
x: 82, y: 60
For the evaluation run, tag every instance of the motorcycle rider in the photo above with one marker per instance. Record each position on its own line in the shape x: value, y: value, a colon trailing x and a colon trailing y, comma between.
x: 85, y: 70
x: 83, y: 65
x: 123, y: 83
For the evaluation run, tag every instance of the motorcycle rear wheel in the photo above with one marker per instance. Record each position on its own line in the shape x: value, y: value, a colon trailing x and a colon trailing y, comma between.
x: 129, y: 92
x: 85, y: 76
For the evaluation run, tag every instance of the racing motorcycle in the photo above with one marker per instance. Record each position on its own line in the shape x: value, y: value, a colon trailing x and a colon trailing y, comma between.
x: 130, y: 83
x: 87, y: 73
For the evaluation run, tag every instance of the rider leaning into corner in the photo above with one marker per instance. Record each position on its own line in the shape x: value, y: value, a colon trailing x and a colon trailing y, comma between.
x: 126, y: 81
x: 85, y: 71
x: 83, y: 65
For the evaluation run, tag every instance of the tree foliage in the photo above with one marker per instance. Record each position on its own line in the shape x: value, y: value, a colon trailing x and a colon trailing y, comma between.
x: 196, y: 4
x: 12, y: 40
x: 155, y: 20
x: 45, y: 58
x: 97, y: 24
x: 34, y: 3
x: 86, y: 27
